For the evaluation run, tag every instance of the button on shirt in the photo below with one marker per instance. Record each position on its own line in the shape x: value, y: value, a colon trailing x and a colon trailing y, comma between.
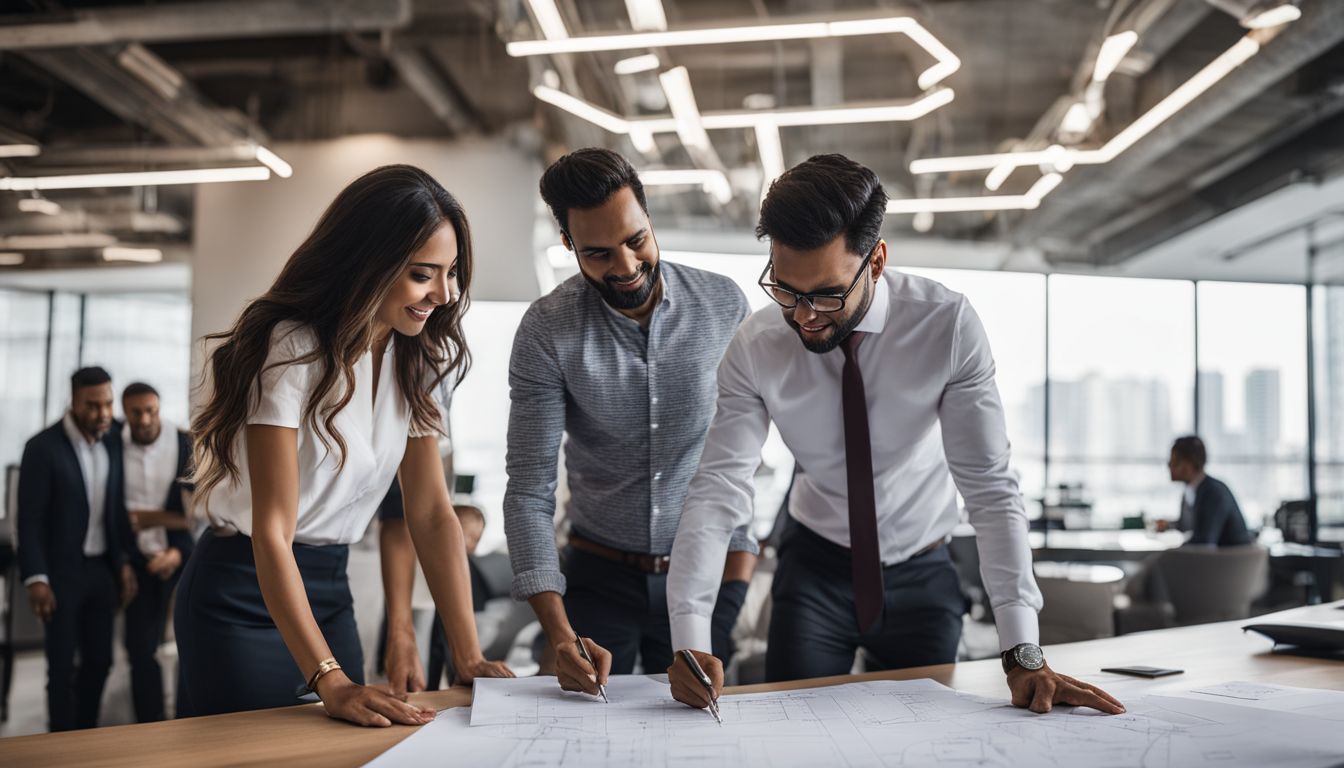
x: 633, y: 407
x: 935, y: 418
x: 336, y: 503
x: 150, y: 472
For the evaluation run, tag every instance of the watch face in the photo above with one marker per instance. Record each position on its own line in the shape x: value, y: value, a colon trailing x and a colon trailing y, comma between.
x: 1029, y: 656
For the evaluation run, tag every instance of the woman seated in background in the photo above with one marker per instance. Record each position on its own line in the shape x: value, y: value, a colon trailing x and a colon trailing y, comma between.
x: 316, y: 398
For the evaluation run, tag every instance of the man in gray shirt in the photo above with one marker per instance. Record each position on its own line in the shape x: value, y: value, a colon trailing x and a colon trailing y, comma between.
x: 622, y: 359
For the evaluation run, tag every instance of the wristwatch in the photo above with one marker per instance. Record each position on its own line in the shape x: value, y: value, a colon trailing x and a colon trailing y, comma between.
x: 1025, y: 655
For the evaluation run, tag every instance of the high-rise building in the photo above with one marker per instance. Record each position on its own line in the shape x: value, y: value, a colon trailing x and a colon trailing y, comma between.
x: 1210, y: 425
x: 1263, y: 411
x: 1331, y: 379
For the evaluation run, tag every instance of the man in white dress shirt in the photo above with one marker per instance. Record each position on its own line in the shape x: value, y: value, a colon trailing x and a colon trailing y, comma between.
x: 156, y: 456
x: 889, y: 406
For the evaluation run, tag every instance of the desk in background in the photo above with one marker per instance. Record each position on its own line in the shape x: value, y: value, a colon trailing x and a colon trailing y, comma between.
x: 305, y: 736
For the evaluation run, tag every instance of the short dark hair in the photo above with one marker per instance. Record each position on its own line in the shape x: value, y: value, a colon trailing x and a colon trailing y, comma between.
x: 88, y: 377
x: 1191, y: 449
x: 138, y: 388
x: 817, y: 200
x: 470, y: 510
x: 587, y: 178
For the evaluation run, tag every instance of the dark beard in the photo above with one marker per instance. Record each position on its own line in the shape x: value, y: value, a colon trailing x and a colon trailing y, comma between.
x: 842, y: 330
x: 618, y: 299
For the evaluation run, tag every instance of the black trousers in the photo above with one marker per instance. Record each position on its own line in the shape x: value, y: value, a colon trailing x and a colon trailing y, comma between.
x: 230, y: 652
x: 146, y: 619
x: 86, y: 605
x: 813, y: 629
x: 624, y: 610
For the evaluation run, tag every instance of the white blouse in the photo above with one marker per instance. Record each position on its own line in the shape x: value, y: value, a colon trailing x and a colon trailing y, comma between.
x: 336, y: 503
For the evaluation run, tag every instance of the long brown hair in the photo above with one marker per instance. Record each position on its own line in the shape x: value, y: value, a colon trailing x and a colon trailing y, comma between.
x: 334, y: 283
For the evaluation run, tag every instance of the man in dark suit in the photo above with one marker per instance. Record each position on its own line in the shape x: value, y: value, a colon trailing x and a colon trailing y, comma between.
x: 155, y: 458
x: 73, y: 532
x: 1209, y: 511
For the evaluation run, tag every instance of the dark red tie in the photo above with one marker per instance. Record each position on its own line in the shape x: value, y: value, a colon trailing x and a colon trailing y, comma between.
x: 865, y: 556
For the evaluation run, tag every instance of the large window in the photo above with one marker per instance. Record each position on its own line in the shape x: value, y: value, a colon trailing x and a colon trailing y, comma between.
x: 66, y: 309
x: 1012, y: 308
x: 1253, y: 391
x: 1328, y: 307
x: 23, y: 351
x: 142, y: 337
x: 1121, y: 389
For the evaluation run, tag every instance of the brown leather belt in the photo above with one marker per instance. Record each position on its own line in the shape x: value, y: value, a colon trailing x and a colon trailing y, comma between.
x: 655, y: 564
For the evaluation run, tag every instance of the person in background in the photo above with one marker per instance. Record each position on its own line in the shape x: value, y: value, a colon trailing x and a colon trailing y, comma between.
x: 318, y: 396
x: 155, y: 457
x: 1209, y: 511
x: 73, y: 540
x: 619, y: 362
x: 882, y: 387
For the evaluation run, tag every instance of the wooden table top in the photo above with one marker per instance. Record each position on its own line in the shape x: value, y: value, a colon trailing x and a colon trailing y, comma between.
x: 305, y: 736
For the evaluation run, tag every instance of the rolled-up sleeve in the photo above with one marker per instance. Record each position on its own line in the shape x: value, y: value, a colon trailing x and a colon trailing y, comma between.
x: 975, y: 442
x: 719, y: 500
x: 536, y: 426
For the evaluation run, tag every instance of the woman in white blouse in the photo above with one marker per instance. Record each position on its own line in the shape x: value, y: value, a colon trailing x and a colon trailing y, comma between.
x: 320, y: 395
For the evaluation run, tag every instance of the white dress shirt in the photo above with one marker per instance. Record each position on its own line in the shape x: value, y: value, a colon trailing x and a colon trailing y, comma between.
x: 336, y: 503
x: 933, y: 406
x: 93, y: 466
x: 149, y: 474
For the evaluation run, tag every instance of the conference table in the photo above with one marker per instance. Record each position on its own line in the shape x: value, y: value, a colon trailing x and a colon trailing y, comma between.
x: 305, y: 736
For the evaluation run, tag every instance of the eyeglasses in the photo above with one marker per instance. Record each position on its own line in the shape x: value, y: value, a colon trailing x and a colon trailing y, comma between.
x: 825, y: 302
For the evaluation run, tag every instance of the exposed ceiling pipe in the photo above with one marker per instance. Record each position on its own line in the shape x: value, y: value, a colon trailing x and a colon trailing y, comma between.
x: 205, y: 21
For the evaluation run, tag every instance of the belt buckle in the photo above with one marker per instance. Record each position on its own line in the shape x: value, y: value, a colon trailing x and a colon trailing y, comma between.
x: 659, y: 566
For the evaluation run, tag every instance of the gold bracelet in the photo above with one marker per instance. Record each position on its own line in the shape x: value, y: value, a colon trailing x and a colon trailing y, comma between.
x: 323, y: 667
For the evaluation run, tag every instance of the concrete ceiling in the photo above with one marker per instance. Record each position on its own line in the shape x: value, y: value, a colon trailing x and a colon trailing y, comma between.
x: 285, y: 71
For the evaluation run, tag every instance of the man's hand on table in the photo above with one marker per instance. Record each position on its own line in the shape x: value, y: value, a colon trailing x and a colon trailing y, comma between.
x: 1039, y: 690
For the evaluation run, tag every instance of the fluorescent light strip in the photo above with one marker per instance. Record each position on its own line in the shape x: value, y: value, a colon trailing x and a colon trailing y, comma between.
x: 11, y: 259
x: 963, y: 204
x: 56, y: 242
x: 771, y: 151
x: 271, y: 160
x: 646, y: 14
x: 39, y: 205
x: 1273, y: 17
x: 871, y: 113
x: 135, y: 179
x: 1113, y: 51
x: 998, y: 175
x: 681, y: 100
x: 713, y: 182
x: 548, y: 18
x: 20, y: 150
x: 139, y: 255
x: 636, y: 64
x: 946, y: 61
x: 1185, y: 93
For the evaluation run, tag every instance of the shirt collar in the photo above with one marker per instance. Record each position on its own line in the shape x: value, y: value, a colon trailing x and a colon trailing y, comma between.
x: 663, y: 277
x: 876, y: 317
x: 73, y: 432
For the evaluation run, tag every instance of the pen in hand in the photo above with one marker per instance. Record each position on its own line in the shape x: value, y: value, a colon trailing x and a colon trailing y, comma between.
x: 700, y: 675
x: 601, y: 689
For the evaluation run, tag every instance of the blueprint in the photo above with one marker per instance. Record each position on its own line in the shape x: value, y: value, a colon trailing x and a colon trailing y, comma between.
x: 530, y: 723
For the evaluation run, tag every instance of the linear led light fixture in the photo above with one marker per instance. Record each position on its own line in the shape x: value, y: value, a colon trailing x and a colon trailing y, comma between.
x: 39, y: 205
x: 138, y: 255
x: 945, y: 62
x: 712, y: 181
x: 11, y: 259
x: 271, y: 160
x: 1024, y: 202
x: 1174, y: 102
x: 646, y: 14
x: 1113, y: 51
x: 878, y: 112
x: 548, y: 18
x: 771, y: 151
x: 135, y: 179
x: 20, y: 150
x: 636, y: 64
x: 57, y: 242
x: 1273, y: 17
x: 685, y: 112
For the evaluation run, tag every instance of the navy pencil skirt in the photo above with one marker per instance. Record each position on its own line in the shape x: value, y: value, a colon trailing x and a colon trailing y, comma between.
x: 230, y: 654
